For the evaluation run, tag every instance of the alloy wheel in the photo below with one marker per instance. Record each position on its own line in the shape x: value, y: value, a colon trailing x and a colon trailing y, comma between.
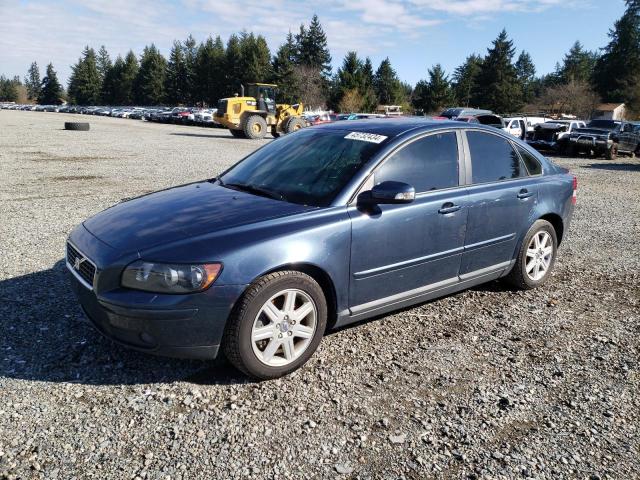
x: 539, y: 255
x: 284, y: 327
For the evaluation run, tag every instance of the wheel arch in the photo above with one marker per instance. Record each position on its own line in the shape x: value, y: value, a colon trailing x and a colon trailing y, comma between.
x: 558, y: 225
x: 320, y: 276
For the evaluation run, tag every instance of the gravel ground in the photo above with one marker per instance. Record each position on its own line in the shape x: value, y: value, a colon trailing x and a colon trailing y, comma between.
x: 488, y: 383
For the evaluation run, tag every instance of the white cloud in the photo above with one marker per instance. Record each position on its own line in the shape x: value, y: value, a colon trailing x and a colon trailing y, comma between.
x: 479, y: 7
x: 47, y: 31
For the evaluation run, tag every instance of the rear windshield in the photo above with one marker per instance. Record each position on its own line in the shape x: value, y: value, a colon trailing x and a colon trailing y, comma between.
x: 606, y: 124
x: 309, y: 167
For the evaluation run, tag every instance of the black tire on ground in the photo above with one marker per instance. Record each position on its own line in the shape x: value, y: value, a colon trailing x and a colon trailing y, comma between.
x: 570, y: 150
x: 237, y: 133
x: 518, y: 276
x: 293, y: 124
x: 611, y: 153
x: 255, y: 127
x: 80, y: 126
x: 237, y: 342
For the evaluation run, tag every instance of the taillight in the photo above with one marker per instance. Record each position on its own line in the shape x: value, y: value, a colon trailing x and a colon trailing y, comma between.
x: 574, y: 198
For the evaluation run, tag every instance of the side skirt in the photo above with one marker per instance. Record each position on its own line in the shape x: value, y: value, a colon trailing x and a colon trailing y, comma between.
x: 423, y: 294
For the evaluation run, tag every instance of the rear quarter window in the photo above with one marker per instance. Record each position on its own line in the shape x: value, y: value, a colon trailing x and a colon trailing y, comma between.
x: 530, y: 161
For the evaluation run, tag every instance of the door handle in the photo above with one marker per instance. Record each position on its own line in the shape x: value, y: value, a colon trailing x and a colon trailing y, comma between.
x: 524, y: 193
x: 449, y: 207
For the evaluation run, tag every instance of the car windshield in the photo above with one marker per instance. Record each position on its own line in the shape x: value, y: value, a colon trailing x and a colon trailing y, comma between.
x: 309, y: 167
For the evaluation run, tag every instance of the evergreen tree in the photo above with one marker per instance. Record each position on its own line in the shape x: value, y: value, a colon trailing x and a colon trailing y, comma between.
x: 85, y: 83
x: 176, y: 83
x: 233, y: 68
x: 313, y: 50
x: 149, y: 82
x: 578, y: 65
x: 112, y: 83
x: 127, y: 80
x: 51, y: 90
x: 497, y: 83
x: 210, y: 71
x: 616, y: 75
x: 526, y: 73
x: 104, y: 62
x: 465, y: 79
x: 387, y: 85
x: 348, y: 79
x: 9, y: 89
x: 255, y: 59
x: 190, y: 47
x: 283, y: 71
x: 436, y: 94
x: 32, y: 82
x: 368, y: 93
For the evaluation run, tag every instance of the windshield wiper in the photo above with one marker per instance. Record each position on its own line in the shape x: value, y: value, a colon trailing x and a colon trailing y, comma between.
x: 263, y: 192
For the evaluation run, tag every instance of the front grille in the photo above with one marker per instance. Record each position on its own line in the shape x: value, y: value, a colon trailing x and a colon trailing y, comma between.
x: 222, y: 108
x: 80, y: 265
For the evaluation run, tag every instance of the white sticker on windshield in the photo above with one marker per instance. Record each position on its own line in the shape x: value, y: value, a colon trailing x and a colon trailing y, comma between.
x: 366, y: 137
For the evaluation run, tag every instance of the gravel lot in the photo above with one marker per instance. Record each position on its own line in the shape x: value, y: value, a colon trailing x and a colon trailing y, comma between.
x: 488, y: 383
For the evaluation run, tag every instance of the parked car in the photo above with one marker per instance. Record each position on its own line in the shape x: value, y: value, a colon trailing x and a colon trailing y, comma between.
x: 455, y: 112
x: 204, y: 117
x: 320, y: 119
x: 516, y: 126
x: 601, y: 138
x: 554, y: 135
x: 319, y: 229
x: 467, y: 119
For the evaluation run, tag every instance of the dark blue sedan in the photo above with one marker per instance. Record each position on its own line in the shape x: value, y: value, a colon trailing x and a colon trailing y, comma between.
x: 319, y: 229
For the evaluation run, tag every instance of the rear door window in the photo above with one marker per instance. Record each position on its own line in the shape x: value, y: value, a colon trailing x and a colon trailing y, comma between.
x: 429, y: 163
x: 493, y: 159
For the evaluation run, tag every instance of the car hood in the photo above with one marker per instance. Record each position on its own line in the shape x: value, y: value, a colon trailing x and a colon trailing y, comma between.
x: 182, y: 212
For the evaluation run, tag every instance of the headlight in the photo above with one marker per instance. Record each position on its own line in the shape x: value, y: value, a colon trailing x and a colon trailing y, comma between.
x: 169, y: 277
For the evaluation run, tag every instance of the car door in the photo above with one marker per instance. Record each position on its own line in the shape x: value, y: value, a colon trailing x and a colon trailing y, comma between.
x: 400, y: 248
x: 502, y: 200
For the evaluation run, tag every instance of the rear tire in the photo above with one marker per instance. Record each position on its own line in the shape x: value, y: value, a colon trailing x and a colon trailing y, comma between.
x: 78, y: 126
x: 536, y: 257
x: 237, y: 133
x: 570, y: 150
x: 268, y: 335
x: 255, y: 127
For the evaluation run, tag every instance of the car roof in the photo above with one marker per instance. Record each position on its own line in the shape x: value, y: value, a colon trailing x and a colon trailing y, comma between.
x: 392, y: 127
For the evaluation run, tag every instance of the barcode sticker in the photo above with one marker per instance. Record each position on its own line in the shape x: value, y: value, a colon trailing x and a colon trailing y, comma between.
x: 366, y: 137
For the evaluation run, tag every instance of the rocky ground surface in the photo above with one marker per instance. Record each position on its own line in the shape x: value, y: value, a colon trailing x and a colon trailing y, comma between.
x: 489, y: 383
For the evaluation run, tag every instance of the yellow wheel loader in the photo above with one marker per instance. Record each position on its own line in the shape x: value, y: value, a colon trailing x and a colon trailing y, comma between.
x: 257, y: 114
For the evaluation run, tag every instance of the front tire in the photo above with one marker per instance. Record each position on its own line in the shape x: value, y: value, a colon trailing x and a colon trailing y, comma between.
x: 255, y: 127
x: 536, y: 257
x: 276, y: 326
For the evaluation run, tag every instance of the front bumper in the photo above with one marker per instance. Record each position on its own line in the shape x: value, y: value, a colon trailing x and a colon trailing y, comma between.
x: 590, y: 143
x: 186, y: 326
x: 180, y: 326
x: 544, y: 145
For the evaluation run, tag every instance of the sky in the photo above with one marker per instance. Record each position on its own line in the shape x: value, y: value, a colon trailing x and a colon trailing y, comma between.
x: 414, y: 34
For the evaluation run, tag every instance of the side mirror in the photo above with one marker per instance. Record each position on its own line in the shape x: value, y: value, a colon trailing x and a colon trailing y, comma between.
x: 389, y: 193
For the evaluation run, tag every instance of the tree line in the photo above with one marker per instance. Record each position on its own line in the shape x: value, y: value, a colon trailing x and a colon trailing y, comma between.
x: 200, y: 74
